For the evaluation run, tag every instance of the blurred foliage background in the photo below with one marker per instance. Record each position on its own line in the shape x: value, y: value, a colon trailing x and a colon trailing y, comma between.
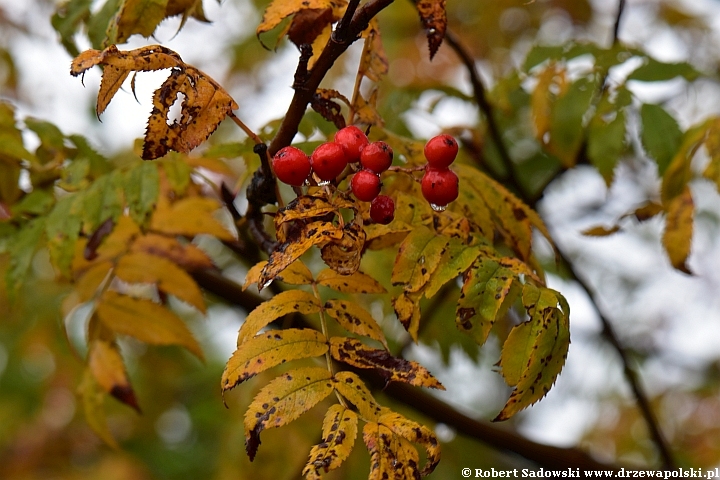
x: 665, y: 318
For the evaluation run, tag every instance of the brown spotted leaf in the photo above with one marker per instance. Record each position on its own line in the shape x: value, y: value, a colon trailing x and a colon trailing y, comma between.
x: 355, y: 353
x: 271, y: 349
x: 357, y: 282
x: 418, y: 257
x: 354, y: 318
x: 391, y: 456
x: 407, y: 309
x: 434, y: 20
x: 535, y: 351
x: 302, y: 208
x: 677, y: 237
x: 416, y: 433
x: 338, y: 438
x: 145, y: 320
x: 323, y: 102
x: 253, y: 275
x: 278, y: 306
x: 187, y: 256
x: 283, y: 400
x: 354, y: 390
x: 344, y: 255
x: 456, y: 259
x: 316, y: 233
x: 486, y: 294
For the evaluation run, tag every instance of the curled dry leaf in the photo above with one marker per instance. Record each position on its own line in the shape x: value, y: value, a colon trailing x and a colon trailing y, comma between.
x: 434, y: 20
x: 205, y: 103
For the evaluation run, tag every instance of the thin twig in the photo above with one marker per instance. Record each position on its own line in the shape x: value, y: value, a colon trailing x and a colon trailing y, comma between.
x: 245, y: 128
x: 618, y: 18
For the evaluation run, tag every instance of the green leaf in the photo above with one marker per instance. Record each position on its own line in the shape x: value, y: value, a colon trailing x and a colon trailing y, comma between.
x: 418, y: 257
x: 661, y: 135
x: 269, y: 350
x: 36, y: 202
x: 566, y: 121
x: 486, y: 294
x: 606, y: 142
x: 456, y: 258
x: 535, y: 351
x: 63, y: 229
x: 101, y: 30
x: 142, y: 187
x: 22, y: 248
x: 177, y: 171
x: 50, y: 135
x: 66, y: 21
x: 145, y: 320
x: 655, y: 71
x: 103, y: 200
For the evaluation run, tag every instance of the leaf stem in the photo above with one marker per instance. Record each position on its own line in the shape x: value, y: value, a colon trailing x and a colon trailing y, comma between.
x: 245, y: 128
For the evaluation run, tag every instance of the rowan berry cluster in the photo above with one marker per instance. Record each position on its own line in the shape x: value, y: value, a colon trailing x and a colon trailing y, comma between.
x: 439, y: 183
x: 351, y: 146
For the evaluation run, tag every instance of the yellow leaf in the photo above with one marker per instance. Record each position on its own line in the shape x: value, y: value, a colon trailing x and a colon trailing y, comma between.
x: 187, y: 256
x: 115, y: 244
x: 278, y: 10
x: 278, y: 306
x: 600, y: 231
x: 302, y: 208
x: 391, y: 456
x: 93, y: 400
x: 108, y: 368
x: 316, y: 233
x: 89, y: 283
x: 338, y: 438
x: 189, y: 216
x: 213, y: 164
x: 456, y: 259
x: 416, y: 433
x: 354, y: 318
x: 296, y: 274
x: 270, y: 349
x: 171, y: 279
x: 407, y: 309
x: 535, y: 351
x: 283, y: 400
x: 373, y: 62
x: 357, y: 282
x: 112, y: 80
x: 145, y: 320
x: 354, y: 390
x: 353, y: 352
x: 677, y: 237
x: 253, y: 275
x: 418, y: 257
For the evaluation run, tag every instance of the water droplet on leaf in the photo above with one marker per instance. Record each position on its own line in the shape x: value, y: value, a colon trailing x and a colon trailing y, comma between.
x: 438, y: 208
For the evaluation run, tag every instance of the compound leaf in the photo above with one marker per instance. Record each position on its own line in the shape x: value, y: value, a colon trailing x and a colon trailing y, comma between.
x: 283, y: 400
x: 270, y: 349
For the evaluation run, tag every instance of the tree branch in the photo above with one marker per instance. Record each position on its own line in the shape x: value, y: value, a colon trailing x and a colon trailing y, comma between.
x: 336, y: 46
x: 618, y: 18
x: 631, y: 375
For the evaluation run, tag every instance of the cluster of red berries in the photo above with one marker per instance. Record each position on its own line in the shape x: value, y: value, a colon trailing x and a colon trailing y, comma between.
x: 351, y: 146
x: 439, y: 183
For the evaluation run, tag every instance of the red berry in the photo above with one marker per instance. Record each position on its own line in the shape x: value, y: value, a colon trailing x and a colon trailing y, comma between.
x: 382, y: 209
x: 328, y: 160
x: 291, y: 166
x: 353, y: 140
x: 441, y: 151
x: 365, y: 184
x: 377, y: 156
x: 439, y: 186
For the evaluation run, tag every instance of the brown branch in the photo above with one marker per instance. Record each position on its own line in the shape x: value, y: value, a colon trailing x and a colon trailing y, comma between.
x: 336, y: 46
x: 631, y: 375
x: 618, y: 18
x: 439, y: 411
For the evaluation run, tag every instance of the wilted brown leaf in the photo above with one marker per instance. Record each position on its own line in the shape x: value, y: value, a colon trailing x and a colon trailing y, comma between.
x: 434, y: 20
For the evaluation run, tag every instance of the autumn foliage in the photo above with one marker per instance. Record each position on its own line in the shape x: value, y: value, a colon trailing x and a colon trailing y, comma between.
x: 125, y: 237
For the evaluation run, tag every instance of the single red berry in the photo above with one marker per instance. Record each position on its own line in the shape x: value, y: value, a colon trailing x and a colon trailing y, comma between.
x: 365, y: 184
x: 439, y: 186
x: 377, y: 156
x: 353, y: 140
x: 441, y: 151
x: 328, y: 160
x: 291, y: 166
x: 382, y: 209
